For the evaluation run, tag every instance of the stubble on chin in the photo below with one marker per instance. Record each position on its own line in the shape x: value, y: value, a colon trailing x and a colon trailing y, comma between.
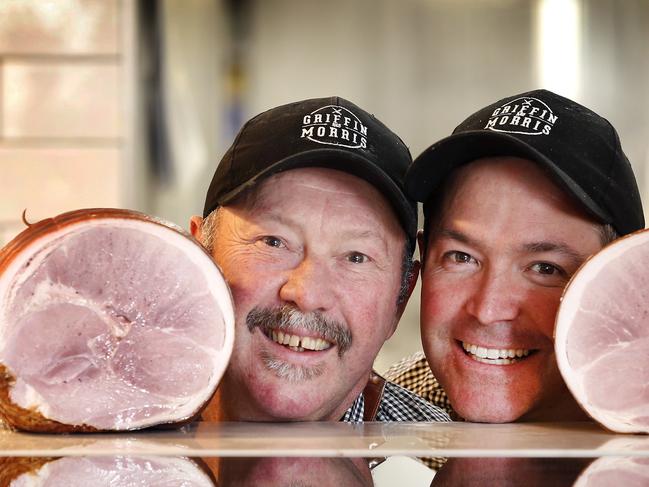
x: 290, y: 372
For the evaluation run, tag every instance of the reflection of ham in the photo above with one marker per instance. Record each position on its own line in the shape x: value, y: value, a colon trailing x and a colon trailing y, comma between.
x: 605, y: 472
x: 602, y: 335
x: 102, y: 471
x: 109, y: 320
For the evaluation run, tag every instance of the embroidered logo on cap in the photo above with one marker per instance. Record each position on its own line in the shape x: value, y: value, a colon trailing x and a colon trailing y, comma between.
x: 334, y: 125
x: 526, y: 116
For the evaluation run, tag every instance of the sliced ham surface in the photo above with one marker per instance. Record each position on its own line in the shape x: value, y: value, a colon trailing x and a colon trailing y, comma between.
x: 109, y: 320
x: 104, y: 472
x: 602, y: 335
x: 614, y: 471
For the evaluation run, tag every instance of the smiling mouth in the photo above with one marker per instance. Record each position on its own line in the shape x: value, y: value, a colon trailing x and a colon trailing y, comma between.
x: 299, y: 343
x: 496, y: 356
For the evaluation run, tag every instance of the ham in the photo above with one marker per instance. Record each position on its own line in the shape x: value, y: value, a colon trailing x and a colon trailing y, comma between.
x: 607, y: 471
x: 602, y: 335
x: 103, y: 471
x: 109, y: 320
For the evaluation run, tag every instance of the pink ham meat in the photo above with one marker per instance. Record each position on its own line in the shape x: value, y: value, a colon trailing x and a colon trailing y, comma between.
x: 103, y: 472
x: 109, y: 320
x: 602, y: 335
x: 613, y: 471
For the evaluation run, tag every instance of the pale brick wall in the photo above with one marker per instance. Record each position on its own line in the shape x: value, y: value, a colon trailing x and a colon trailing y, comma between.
x: 62, y: 116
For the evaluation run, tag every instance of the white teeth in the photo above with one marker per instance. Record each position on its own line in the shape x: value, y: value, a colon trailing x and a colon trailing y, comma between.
x: 298, y: 343
x: 500, y: 361
x: 497, y: 356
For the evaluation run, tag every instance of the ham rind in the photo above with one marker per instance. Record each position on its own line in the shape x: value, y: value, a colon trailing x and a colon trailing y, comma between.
x: 109, y: 472
x: 116, y: 322
x: 602, y: 335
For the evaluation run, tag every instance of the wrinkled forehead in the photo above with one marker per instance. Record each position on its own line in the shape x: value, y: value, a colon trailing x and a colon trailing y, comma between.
x: 311, y: 187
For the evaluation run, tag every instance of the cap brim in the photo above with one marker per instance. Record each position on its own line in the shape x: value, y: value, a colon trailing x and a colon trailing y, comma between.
x: 436, y: 163
x: 340, y: 160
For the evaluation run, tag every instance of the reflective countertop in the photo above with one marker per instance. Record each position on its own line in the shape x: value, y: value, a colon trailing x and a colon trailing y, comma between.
x: 323, y: 454
x: 338, y: 439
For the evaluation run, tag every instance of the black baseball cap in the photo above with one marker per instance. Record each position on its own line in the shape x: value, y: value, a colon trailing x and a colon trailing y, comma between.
x: 320, y: 132
x: 578, y: 147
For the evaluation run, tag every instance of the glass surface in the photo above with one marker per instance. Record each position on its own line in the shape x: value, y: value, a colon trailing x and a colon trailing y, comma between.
x: 323, y: 454
x: 118, y: 471
x: 205, y: 439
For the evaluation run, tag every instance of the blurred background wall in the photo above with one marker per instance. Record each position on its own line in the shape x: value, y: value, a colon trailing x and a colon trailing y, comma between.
x: 132, y: 103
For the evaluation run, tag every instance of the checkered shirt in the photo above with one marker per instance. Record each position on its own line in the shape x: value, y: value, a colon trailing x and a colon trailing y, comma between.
x: 397, y: 404
x: 414, y: 374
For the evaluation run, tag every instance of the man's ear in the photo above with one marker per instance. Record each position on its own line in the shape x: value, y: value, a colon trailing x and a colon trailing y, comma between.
x: 412, y: 282
x: 195, y: 225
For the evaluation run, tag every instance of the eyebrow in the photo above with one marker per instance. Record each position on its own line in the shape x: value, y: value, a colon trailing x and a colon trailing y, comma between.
x: 560, y: 247
x: 347, y: 235
x: 530, y: 248
x: 455, y: 235
x: 279, y: 218
x: 360, y: 234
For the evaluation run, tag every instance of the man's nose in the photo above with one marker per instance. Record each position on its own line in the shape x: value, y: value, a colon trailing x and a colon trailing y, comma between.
x: 308, y: 286
x: 494, y: 297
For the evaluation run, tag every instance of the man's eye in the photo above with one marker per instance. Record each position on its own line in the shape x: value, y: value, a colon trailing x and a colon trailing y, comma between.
x: 357, y: 258
x: 458, y: 257
x: 547, y: 269
x: 272, y: 241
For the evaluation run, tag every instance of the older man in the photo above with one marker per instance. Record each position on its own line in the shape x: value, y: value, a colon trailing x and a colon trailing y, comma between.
x: 307, y: 219
x: 514, y: 202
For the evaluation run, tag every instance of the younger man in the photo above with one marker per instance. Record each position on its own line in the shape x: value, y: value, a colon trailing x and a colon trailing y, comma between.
x: 514, y: 202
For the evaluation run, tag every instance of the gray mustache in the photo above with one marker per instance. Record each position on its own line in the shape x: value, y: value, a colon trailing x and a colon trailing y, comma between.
x: 287, y: 318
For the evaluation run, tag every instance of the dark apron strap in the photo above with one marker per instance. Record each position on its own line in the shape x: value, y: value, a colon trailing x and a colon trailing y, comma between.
x: 372, y: 395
